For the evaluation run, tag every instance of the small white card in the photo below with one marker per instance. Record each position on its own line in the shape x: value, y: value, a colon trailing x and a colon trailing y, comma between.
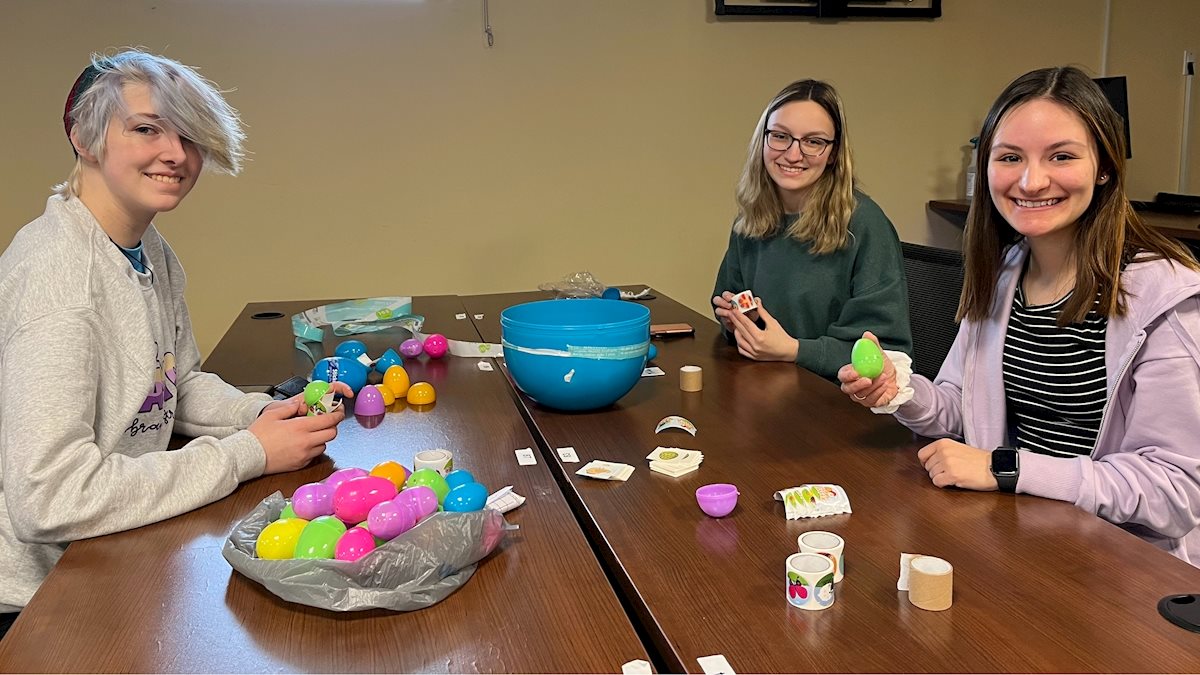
x: 715, y: 665
x: 567, y: 454
x: 653, y: 371
x: 485, y: 366
x: 525, y: 457
x: 478, y: 317
x: 636, y: 667
x: 460, y: 316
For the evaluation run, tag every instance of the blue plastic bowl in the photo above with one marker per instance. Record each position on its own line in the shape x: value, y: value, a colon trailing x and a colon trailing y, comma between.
x: 575, y: 354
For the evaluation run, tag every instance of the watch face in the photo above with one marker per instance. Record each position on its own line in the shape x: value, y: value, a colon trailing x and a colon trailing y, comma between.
x: 1004, y: 461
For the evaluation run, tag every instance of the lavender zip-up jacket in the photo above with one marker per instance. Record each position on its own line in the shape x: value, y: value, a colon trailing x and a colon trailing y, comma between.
x: 1144, y: 470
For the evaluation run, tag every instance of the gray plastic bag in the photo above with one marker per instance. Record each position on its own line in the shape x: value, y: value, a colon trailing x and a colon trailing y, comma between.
x: 413, y: 571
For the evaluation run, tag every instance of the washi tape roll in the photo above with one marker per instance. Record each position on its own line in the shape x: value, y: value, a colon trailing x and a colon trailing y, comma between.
x: 930, y: 583
x: 827, y: 544
x: 691, y: 378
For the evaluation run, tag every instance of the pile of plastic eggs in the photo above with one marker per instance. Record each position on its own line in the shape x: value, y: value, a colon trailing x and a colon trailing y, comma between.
x: 351, y: 364
x: 353, y: 511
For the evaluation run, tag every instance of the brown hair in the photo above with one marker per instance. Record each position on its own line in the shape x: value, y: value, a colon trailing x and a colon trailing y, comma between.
x: 826, y: 219
x: 1109, y: 235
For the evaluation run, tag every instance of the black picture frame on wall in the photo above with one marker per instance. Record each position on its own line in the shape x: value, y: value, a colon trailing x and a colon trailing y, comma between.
x: 833, y: 9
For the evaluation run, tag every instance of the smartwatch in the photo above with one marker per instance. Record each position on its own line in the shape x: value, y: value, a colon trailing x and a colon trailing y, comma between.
x: 1005, y: 468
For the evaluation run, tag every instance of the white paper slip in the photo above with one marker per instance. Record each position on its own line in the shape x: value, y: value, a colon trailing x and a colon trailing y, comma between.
x: 653, y: 371
x: 478, y: 317
x: 715, y: 665
x: 485, y: 366
x: 504, y: 500
x: 675, y: 455
x: 636, y: 667
x: 460, y: 316
x: 675, y: 422
x: 673, y: 470
x: 602, y: 470
x: 567, y: 454
x: 525, y: 457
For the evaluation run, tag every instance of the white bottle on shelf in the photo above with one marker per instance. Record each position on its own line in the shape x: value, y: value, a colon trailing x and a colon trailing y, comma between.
x: 972, y: 167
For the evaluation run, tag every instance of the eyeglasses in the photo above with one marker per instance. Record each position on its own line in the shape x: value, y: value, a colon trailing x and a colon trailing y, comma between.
x: 810, y: 146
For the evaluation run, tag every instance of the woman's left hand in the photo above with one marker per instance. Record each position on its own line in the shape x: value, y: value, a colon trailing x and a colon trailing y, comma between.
x: 771, y: 343
x: 954, y: 464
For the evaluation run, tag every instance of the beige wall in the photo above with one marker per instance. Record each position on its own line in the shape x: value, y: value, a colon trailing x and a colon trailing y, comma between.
x: 395, y: 153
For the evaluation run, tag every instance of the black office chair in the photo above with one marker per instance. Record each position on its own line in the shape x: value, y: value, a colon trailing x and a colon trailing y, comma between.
x: 935, y: 279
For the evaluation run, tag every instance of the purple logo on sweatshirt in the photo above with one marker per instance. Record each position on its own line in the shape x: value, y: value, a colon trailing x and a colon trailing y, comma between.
x: 160, y: 393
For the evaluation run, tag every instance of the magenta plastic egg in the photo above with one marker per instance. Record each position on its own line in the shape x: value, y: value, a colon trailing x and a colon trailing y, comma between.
x: 436, y: 345
x: 352, y: 500
x: 411, y: 348
x: 466, y: 497
x: 369, y: 402
x: 311, y: 500
x: 342, y: 475
x: 391, y: 519
x: 421, y: 498
x: 354, y: 544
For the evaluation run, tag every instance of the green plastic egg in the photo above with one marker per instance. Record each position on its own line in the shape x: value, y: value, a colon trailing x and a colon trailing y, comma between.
x: 866, y: 358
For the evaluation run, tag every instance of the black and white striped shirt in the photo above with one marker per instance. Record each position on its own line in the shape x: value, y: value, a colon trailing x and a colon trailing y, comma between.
x: 1054, y: 378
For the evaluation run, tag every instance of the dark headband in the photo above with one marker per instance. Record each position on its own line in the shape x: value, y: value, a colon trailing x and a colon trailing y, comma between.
x: 84, y: 82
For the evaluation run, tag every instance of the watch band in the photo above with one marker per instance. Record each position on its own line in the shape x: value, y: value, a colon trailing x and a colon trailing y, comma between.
x: 1005, y: 467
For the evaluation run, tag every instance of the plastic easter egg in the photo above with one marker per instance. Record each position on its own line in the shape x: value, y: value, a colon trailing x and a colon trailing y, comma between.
x: 352, y: 500
x: 351, y: 349
x: 396, y: 379
x: 314, y: 390
x: 312, y: 500
x: 390, y: 519
x: 459, y: 477
x: 369, y: 402
x: 288, y: 512
x: 866, y: 358
x: 430, y: 479
x: 331, y: 522
x: 652, y: 353
x: 342, y: 475
x: 421, y: 393
x: 411, y: 348
x: 421, y: 498
x: 466, y: 497
x: 386, y: 392
x: 278, y: 540
x: 378, y: 542
x: 436, y: 345
x: 317, y: 541
x: 341, y: 369
x: 393, y: 471
x: 354, y: 544
x: 390, y: 358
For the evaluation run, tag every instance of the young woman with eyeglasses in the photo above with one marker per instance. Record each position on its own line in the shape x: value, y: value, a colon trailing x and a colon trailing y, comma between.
x: 820, y: 257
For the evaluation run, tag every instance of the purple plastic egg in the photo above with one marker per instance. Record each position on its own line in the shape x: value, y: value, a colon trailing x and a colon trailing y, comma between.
x: 342, y: 475
x: 391, y: 519
x: 369, y: 402
x: 313, y: 500
x: 411, y: 348
x: 421, y: 498
x: 352, y: 500
x: 436, y: 345
x: 354, y: 544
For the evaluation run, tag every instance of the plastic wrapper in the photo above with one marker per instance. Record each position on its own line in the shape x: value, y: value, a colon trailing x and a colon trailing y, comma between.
x: 577, y: 285
x: 415, y: 570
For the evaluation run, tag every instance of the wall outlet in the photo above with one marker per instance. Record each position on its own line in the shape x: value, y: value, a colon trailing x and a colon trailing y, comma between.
x: 1189, y: 63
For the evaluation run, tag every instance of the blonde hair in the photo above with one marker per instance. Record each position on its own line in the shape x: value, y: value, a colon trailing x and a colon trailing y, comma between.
x: 825, y: 222
x: 190, y: 104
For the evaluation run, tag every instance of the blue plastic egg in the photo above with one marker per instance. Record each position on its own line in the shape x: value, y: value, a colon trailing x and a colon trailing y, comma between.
x: 341, y: 369
x: 459, y: 477
x: 390, y: 358
x: 351, y: 349
x: 466, y: 497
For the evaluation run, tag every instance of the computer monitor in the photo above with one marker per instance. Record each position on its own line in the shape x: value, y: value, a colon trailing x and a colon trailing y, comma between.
x: 1118, y: 97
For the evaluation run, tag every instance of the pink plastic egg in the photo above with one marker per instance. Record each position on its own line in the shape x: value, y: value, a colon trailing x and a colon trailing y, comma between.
x: 411, y: 348
x: 352, y: 500
x: 354, y: 544
x: 391, y: 519
x: 421, y: 498
x: 369, y: 402
x: 436, y: 345
x: 313, y: 499
x: 342, y: 475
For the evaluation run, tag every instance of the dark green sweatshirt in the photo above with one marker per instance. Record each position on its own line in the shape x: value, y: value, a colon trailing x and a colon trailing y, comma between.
x: 827, y: 301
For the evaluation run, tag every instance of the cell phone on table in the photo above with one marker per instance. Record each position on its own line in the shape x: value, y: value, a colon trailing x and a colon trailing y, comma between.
x: 289, y: 388
x: 667, y: 329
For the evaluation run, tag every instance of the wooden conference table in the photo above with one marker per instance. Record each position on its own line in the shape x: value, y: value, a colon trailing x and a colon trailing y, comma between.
x: 162, y: 599
x: 1038, y: 585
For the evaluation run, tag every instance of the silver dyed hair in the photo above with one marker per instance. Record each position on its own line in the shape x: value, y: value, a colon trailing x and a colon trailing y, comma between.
x: 185, y: 100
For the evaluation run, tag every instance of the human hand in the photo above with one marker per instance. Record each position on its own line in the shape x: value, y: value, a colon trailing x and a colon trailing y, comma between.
x: 865, y: 391
x: 290, y: 403
x: 289, y: 437
x: 770, y: 343
x: 722, y: 307
x: 951, y: 463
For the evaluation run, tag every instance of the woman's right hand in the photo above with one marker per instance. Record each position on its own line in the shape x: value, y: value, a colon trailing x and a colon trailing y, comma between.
x: 723, y: 305
x: 290, y: 438
x: 865, y: 391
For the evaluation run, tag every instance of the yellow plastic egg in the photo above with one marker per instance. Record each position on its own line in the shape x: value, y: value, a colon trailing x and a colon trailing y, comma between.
x: 386, y: 391
x: 396, y: 379
x: 278, y: 540
x: 393, y: 471
x: 421, y: 393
